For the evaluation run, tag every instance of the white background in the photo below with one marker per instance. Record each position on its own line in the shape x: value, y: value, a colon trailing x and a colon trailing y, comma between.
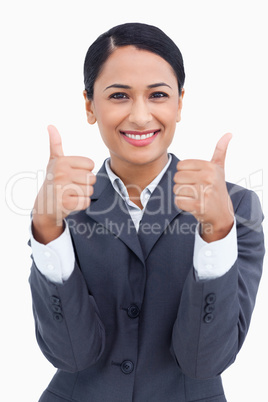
x: 43, y: 45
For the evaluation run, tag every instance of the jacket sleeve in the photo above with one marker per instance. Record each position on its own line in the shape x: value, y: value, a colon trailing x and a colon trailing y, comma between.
x: 214, y: 315
x: 68, y: 327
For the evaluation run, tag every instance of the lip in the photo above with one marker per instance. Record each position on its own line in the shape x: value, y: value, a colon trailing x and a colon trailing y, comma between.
x: 140, y: 132
x: 140, y: 143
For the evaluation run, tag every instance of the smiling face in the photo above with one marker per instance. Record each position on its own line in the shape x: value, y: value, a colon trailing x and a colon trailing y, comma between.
x: 136, y: 104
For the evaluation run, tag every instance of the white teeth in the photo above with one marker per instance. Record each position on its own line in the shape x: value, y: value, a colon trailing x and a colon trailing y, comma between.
x: 139, y: 137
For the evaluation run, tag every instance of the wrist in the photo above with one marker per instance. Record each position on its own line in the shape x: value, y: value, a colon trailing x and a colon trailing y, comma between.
x: 210, y: 232
x: 46, y: 229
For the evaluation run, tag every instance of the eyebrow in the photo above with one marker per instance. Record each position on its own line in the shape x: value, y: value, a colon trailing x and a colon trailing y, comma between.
x: 158, y: 84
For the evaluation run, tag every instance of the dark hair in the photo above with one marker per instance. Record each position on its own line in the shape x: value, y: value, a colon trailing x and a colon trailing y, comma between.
x: 142, y: 36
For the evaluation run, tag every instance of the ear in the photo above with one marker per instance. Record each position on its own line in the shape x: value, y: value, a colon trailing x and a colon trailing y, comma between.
x: 180, y: 106
x: 89, y: 109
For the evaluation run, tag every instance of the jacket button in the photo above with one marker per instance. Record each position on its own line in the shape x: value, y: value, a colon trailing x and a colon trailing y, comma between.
x: 211, y: 298
x: 56, y: 309
x: 133, y: 311
x: 208, y: 318
x: 57, y: 317
x: 127, y: 366
x: 55, y: 300
x: 209, y: 308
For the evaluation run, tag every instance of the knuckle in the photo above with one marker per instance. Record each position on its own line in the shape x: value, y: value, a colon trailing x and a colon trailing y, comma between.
x: 92, y: 178
x: 176, y: 189
x: 91, y: 164
x: 87, y: 202
x: 178, y: 165
x: 90, y: 191
x: 85, y: 161
x: 176, y: 177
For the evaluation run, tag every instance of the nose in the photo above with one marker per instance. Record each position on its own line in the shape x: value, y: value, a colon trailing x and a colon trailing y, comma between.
x: 140, y: 114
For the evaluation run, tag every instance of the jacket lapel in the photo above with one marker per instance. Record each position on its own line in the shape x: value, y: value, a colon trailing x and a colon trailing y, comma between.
x: 160, y: 210
x: 108, y: 209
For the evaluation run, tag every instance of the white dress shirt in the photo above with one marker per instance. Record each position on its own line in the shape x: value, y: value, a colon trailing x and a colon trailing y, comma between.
x: 56, y: 259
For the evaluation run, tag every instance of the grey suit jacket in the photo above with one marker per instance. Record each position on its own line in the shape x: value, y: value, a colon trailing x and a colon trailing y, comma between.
x: 132, y: 323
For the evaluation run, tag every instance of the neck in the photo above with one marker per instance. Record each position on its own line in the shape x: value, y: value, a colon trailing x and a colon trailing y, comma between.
x: 137, y: 176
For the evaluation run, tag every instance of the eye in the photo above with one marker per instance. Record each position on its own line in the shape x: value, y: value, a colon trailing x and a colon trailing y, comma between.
x: 118, y: 95
x: 157, y: 95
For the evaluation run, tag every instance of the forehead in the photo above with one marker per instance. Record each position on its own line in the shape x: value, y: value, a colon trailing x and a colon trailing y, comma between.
x: 131, y: 65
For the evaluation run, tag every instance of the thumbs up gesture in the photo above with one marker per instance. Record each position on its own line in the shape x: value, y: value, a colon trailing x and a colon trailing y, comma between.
x: 67, y: 187
x: 200, y: 189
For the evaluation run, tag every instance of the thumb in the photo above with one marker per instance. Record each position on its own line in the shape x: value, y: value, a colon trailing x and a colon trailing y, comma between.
x: 54, y: 142
x: 221, y: 148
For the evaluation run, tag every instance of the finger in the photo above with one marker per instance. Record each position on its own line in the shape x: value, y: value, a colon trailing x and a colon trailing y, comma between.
x: 85, y: 191
x: 76, y: 204
x: 186, y: 177
x: 187, y: 204
x: 75, y: 190
x: 192, y: 164
x: 186, y: 190
x: 54, y: 142
x: 80, y: 162
x: 220, y: 151
x: 82, y: 176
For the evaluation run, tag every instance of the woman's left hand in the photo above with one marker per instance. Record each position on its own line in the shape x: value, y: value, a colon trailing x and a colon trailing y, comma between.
x: 200, y: 189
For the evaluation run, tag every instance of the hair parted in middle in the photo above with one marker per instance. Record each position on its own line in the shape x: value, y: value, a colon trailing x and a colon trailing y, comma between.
x: 142, y: 36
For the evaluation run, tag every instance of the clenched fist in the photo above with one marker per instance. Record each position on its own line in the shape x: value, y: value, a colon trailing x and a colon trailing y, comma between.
x: 200, y: 189
x: 67, y: 187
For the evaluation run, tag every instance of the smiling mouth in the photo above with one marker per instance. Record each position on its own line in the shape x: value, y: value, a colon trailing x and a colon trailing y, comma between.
x: 140, y: 136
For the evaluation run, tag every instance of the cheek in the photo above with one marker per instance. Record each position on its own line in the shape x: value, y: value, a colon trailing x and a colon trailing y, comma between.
x: 111, y: 117
x: 108, y: 121
x: 169, y: 115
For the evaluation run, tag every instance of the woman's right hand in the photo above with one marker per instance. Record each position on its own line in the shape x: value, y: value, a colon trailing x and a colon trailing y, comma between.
x: 67, y: 188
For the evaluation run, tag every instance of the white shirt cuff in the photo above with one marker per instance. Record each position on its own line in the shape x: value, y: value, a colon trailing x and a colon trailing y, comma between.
x: 212, y: 260
x: 56, y: 259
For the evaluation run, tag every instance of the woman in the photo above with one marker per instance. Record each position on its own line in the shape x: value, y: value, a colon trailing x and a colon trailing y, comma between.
x: 142, y: 290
